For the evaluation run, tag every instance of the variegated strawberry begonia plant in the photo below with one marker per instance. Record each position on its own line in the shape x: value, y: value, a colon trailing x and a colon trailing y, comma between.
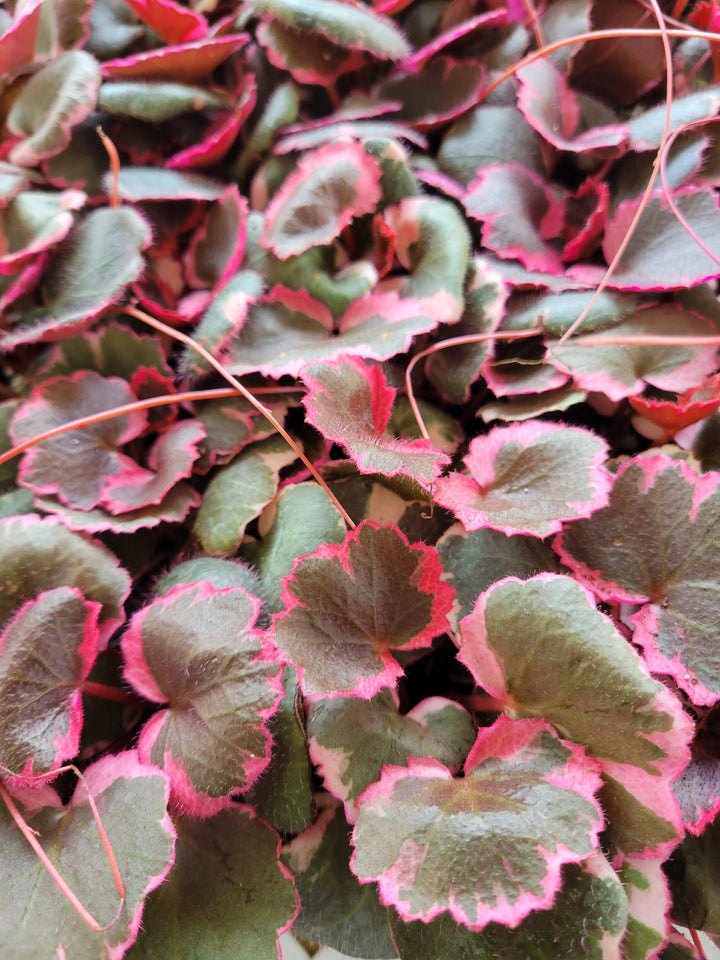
x: 407, y: 643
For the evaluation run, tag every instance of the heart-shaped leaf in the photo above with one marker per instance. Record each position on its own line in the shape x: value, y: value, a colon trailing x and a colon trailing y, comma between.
x: 195, y: 652
x: 527, y: 478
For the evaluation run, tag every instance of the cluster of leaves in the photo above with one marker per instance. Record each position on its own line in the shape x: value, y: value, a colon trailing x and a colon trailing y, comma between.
x: 432, y: 679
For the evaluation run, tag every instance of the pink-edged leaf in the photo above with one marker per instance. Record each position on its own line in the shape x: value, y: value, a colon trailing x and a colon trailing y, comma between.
x: 697, y: 789
x: 33, y: 221
x: 350, y: 403
x: 214, y: 146
x: 521, y: 214
x: 335, y: 909
x: 173, y: 508
x: 466, y: 28
x: 589, y: 908
x: 661, y: 253
x: 136, y: 184
x: 674, y: 415
x: 648, y: 896
x: 519, y: 368
x: 584, y: 220
x: 187, y: 63
x: 313, y: 135
x: 432, y: 241
x: 528, y: 478
x: 222, y: 320
x: 170, y: 459
x: 46, y: 651
x: 330, y: 186
x: 287, y: 330
x: 348, y: 606
x: 17, y: 42
x: 99, y: 257
x: 357, y: 27
x: 643, y: 817
x: 154, y: 101
x: 438, y: 93
x: 37, y: 920
x: 542, y: 649
x: 350, y: 739
x: 308, y: 57
x: 453, y: 371
x: 74, y: 465
x: 55, y: 99
x: 238, y: 492
x: 174, y: 22
x: 217, y: 246
x: 657, y: 543
x: 195, y: 651
x: 646, y: 127
x: 551, y: 107
x: 227, y: 891
x: 520, y: 783
x: 621, y: 371
x: 38, y: 555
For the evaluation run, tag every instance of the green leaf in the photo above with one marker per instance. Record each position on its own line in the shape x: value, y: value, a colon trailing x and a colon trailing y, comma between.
x: 524, y: 807
x: 155, y: 102
x: 357, y: 27
x: 38, y: 922
x: 350, y: 740
x: 55, y: 99
x: 335, y: 909
x: 101, y: 255
x: 238, y: 493
x: 589, y: 909
x: 227, y: 896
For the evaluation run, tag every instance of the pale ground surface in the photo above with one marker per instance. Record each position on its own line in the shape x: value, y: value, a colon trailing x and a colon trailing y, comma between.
x: 293, y: 951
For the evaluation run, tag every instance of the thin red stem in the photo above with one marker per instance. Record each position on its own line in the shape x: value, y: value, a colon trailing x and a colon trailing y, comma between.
x: 106, y: 692
x: 114, y: 167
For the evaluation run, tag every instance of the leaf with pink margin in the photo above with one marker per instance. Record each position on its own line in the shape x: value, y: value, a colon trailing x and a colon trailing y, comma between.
x: 350, y: 740
x: 196, y: 652
x: 17, y: 42
x: 661, y: 254
x: 528, y: 478
x: 671, y: 416
x: 432, y: 241
x: 33, y: 221
x: 330, y: 186
x: 187, y: 63
x: 621, y: 371
x: 55, y: 99
x: 541, y: 648
x: 37, y: 920
x: 439, y: 92
x: 214, y: 146
x: 316, y: 135
x: 74, y: 465
x: 521, y: 213
x: 308, y: 57
x: 656, y: 543
x: 468, y: 27
x: 95, y: 262
x: 585, y: 213
x: 590, y: 908
x: 520, y: 782
x: 137, y: 184
x: 46, y: 651
x: 287, y: 330
x: 551, y: 107
x: 228, y: 892
x: 350, y: 403
x: 40, y: 554
x: 173, y: 508
x: 643, y: 818
x: 217, y: 247
x: 648, y: 903
x: 697, y: 789
x: 347, y: 606
x: 170, y: 459
x: 172, y: 21
x: 354, y: 27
